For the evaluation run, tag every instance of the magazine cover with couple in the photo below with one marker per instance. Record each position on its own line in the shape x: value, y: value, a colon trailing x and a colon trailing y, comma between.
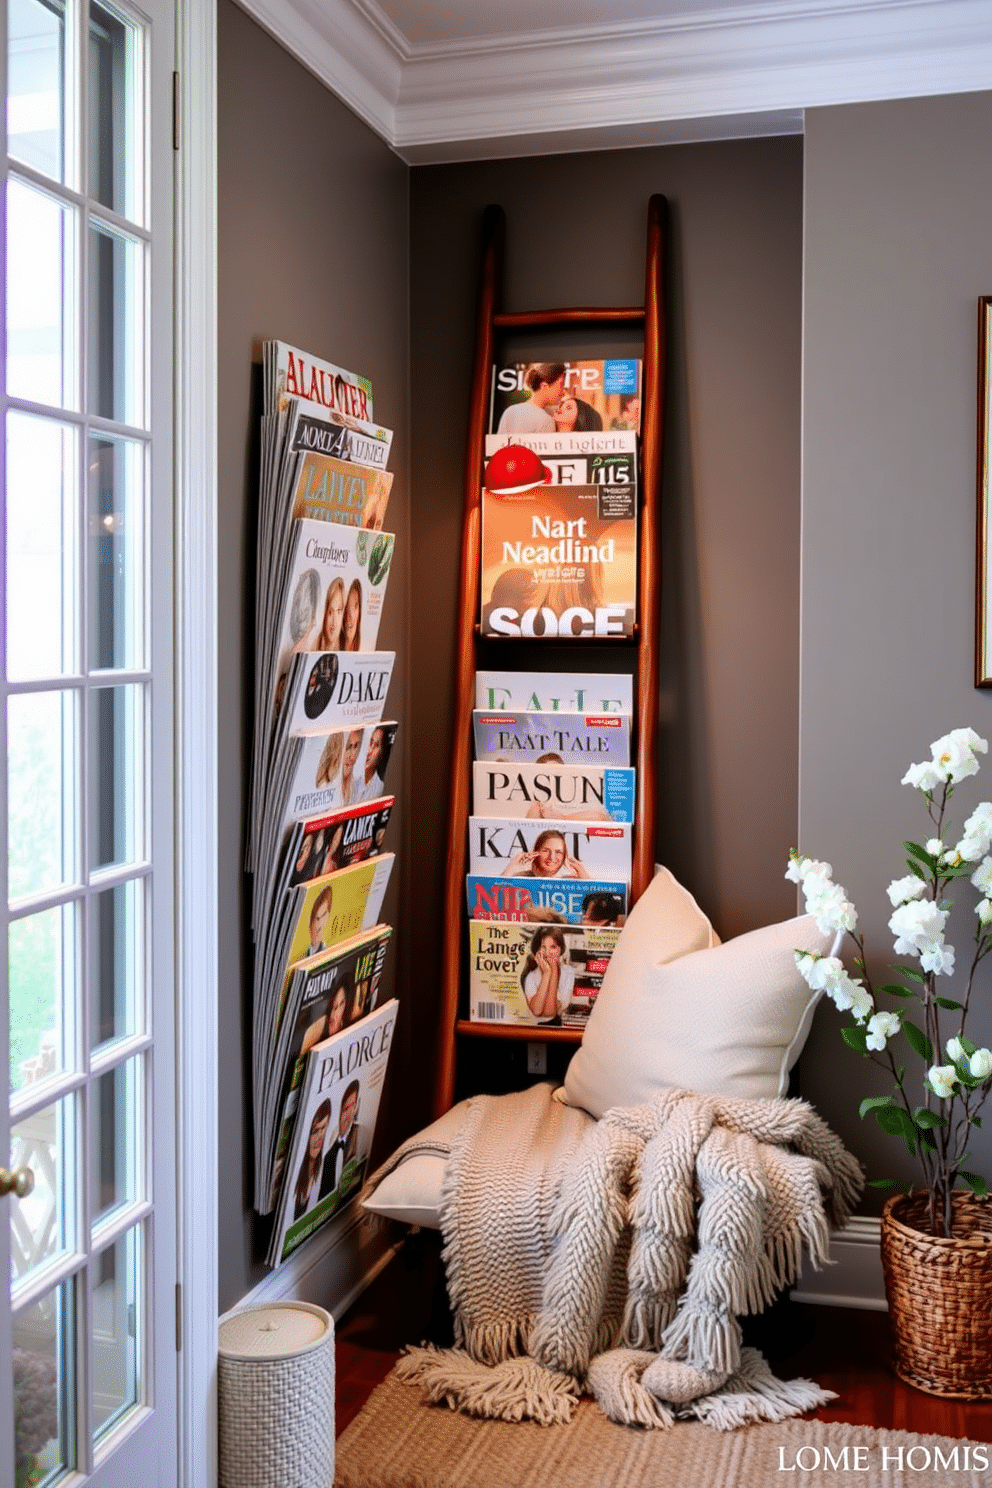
x: 324, y: 997
x: 566, y: 396
x: 332, y: 1133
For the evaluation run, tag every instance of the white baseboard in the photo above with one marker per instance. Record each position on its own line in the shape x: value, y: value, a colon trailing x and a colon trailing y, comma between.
x: 854, y: 1279
x: 333, y: 1267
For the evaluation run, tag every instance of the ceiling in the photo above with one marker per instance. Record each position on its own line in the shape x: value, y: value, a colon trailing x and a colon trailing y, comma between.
x: 437, y: 82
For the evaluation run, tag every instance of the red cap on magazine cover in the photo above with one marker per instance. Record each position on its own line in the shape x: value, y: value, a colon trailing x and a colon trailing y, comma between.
x: 515, y: 468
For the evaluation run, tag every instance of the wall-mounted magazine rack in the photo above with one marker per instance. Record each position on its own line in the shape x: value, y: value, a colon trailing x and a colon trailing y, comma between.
x: 492, y: 324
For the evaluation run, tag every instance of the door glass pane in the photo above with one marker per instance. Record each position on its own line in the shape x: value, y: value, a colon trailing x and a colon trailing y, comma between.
x: 116, y: 775
x: 42, y: 962
x: 36, y: 85
x: 115, y: 163
x: 116, y: 942
x: 41, y: 795
x: 116, y: 537
x: 115, y: 1312
x: 44, y: 1388
x: 116, y: 345
x: 41, y: 590
x: 113, y: 1123
x: 40, y: 1226
x: 40, y: 294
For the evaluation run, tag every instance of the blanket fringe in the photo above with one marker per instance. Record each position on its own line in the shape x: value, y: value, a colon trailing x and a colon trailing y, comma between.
x: 645, y: 1319
x: 518, y: 1389
x: 704, y: 1338
x: 754, y: 1394
x: 815, y: 1233
x: 492, y: 1342
x: 784, y: 1257
x: 795, y: 1122
x: 633, y: 1387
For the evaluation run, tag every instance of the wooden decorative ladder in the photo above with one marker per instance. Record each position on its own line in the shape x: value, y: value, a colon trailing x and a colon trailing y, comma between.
x: 491, y: 322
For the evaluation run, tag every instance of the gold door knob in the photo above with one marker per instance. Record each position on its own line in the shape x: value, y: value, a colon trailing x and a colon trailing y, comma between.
x: 19, y: 1182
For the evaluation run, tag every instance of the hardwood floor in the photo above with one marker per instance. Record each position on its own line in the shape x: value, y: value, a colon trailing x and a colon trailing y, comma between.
x: 842, y: 1349
x: 405, y: 1304
x: 849, y: 1350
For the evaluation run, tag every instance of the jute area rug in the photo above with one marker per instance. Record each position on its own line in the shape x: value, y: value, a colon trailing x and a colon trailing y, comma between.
x: 398, y: 1442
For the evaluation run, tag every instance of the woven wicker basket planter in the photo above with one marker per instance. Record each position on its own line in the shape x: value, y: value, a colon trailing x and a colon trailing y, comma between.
x: 940, y: 1296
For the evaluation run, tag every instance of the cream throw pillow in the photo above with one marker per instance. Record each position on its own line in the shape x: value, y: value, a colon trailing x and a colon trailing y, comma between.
x: 666, y: 922
x: 727, y: 1020
x: 408, y: 1186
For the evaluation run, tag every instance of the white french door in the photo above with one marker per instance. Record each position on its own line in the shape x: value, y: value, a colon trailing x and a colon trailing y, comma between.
x: 87, y: 1328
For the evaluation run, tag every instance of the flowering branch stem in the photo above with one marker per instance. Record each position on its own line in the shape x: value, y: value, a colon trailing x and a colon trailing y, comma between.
x: 937, y: 1130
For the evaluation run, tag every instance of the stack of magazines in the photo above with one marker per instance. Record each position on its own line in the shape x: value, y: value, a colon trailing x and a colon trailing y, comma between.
x: 559, y: 502
x: 549, y: 842
x: 320, y: 809
x: 550, y: 845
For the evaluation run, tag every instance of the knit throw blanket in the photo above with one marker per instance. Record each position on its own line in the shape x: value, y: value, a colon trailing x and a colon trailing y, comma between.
x: 617, y: 1255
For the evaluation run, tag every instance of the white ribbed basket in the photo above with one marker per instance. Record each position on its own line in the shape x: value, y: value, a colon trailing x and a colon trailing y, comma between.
x: 275, y: 1383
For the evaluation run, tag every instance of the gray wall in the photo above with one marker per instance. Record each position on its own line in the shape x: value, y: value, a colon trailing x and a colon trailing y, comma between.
x: 312, y: 248
x: 898, y: 248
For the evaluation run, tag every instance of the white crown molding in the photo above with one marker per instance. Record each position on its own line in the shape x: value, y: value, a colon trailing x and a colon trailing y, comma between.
x: 701, y: 70
x: 699, y: 76
x: 606, y: 137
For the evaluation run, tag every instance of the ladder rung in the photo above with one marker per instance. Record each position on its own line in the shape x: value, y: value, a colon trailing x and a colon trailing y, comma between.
x: 532, y: 1032
x: 585, y: 643
x: 521, y: 320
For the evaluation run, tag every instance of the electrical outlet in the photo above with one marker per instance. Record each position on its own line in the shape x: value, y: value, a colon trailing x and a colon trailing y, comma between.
x: 537, y: 1059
